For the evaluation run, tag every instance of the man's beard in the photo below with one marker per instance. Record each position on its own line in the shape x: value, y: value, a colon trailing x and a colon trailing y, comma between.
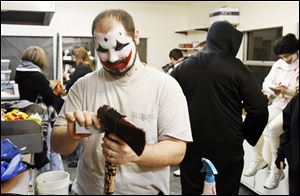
x: 120, y: 67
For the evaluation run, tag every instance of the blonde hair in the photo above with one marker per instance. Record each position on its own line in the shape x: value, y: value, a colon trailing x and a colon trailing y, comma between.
x: 37, y: 56
x: 82, y: 57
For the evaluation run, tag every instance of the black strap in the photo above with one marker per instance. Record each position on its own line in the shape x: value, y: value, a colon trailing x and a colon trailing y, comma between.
x: 29, y: 166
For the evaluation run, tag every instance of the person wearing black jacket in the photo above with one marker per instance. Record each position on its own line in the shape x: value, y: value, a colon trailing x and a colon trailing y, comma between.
x: 289, y: 143
x: 83, y: 66
x: 31, y: 80
x: 218, y: 86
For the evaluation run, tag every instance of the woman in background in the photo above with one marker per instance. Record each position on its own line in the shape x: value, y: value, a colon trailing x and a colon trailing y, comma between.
x: 34, y: 87
x: 83, y: 63
x: 31, y: 80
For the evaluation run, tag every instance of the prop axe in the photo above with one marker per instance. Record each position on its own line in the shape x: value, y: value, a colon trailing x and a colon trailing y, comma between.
x: 114, y: 122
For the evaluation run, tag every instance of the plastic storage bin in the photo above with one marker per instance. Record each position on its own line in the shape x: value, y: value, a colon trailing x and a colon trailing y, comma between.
x: 4, y: 64
x: 5, y: 76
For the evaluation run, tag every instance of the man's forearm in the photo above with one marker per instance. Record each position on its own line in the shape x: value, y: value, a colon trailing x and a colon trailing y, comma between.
x: 61, y: 142
x: 164, y: 153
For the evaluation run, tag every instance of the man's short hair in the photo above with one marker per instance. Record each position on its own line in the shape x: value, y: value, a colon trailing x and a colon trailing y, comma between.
x: 120, y: 15
x: 175, y: 54
x: 286, y: 45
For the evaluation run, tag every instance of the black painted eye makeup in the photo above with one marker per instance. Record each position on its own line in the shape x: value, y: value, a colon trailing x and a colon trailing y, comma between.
x: 100, y: 49
x: 120, y: 46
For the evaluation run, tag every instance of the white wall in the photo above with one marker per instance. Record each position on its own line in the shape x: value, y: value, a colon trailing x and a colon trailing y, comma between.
x: 253, y: 15
x: 159, y: 20
x: 155, y: 20
x: 264, y: 14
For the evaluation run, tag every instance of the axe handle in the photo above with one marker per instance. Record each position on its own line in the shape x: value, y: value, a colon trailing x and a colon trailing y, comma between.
x: 110, y: 175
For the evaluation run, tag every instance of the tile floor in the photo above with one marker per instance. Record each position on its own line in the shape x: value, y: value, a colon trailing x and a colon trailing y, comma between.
x: 175, y: 187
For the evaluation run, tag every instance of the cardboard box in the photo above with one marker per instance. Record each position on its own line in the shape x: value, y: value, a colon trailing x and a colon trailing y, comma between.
x: 232, y: 15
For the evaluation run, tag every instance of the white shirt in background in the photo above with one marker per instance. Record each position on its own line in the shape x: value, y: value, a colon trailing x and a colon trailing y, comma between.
x: 282, y: 73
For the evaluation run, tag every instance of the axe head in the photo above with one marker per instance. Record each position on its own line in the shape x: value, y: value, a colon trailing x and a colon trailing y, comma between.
x: 114, y: 122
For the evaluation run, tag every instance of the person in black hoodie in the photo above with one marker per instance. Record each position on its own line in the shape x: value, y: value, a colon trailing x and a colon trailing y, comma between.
x: 31, y: 80
x: 218, y: 86
x: 289, y: 143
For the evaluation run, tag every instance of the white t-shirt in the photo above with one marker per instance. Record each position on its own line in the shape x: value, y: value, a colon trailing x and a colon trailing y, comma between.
x: 284, y: 74
x: 151, y: 100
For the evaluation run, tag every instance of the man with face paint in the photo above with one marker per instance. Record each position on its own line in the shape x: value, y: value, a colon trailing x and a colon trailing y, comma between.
x: 150, y: 99
x: 116, y: 50
x: 280, y: 86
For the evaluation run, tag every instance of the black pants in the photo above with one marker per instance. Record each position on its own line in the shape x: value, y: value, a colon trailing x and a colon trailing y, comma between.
x: 227, y: 180
x: 294, y: 180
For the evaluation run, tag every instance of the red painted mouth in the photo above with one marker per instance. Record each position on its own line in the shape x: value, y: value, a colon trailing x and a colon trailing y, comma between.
x: 289, y: 61
x: 118, y: 65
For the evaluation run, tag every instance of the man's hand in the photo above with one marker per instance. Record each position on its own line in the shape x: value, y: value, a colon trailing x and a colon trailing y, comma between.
x: 279, y: 162
x: 85, y: 119
x: 279, y: 89
x: 283, y: 89
x: 115, y: 150
x: 276, y: 90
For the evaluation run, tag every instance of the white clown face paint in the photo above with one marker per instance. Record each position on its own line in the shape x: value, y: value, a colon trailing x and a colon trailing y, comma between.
x: 116, y: 50
x: 289, y: 58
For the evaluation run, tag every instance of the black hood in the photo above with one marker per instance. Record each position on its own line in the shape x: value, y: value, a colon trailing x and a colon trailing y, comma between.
x: 222, y: 37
